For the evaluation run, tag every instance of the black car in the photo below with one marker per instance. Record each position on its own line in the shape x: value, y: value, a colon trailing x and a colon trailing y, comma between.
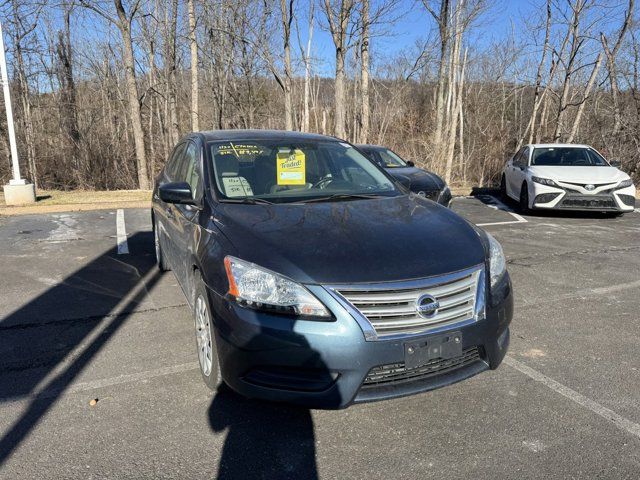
x: 417, y: 180
x: 314, y: 278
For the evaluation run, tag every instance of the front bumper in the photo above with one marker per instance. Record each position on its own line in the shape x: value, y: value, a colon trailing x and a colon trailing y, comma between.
x: 324, y: 364
x: 557, y: 198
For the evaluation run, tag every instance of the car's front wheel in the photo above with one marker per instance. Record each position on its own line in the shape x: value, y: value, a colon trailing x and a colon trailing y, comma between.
x: 205, y: 341
x: 524, y: 198
x: 160, y: 258
x: 503, y: 188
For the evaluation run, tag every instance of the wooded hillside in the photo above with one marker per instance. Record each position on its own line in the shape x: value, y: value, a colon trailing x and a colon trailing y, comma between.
x: 103, y: 89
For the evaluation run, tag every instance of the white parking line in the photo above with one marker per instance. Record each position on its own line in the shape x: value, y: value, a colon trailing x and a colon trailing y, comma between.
x: 618, y: 420
x: 498, y: 205
x: 121, y: 234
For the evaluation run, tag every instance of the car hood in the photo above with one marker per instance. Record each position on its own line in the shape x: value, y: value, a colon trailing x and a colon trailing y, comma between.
x: 585, y: 174
x: 420, y: 179
x: 375, y: 240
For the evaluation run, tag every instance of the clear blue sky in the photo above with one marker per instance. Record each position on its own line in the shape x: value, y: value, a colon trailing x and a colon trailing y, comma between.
x: 416, y: 23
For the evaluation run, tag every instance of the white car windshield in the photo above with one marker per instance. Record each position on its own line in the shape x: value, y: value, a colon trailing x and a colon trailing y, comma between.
x: 567, y: 157
x: 284, y: 171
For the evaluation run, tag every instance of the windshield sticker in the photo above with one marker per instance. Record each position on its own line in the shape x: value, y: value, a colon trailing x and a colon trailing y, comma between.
x: 291, y: 167
x: 240, y: 150
x: 236, y: 187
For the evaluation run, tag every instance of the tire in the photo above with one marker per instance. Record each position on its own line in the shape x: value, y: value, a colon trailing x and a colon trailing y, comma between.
x: 204, y: 333
x: 161, y: 261
x: 503, y: 188
x: 524, y: 199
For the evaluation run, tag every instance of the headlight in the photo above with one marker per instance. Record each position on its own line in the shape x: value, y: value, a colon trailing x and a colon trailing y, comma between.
x: 625, y: 183
x: 260, y: 288
x: 544, y: 181
x: 497, y: 262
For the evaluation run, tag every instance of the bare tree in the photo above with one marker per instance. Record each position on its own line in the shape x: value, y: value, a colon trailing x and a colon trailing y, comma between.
x: 441, y: 16
x: 339, y: 15
x: 286, y: 9
x: 195, y: 86
x: 305, y: 53
x: 611, y: 65
x: 123, y: 21
x: 364, y: 73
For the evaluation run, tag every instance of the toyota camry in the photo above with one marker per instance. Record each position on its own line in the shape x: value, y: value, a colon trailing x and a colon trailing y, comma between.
x: 567, y: 177
x: 315, y: 278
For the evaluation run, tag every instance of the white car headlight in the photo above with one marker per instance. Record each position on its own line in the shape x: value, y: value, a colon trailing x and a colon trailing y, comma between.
x: 625, y: 183
x: 260, y: 288
x: 544, y: 181
x: 497, y: 262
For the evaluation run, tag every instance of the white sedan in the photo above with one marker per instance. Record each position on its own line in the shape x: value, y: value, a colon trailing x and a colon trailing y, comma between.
x: 566, y: 176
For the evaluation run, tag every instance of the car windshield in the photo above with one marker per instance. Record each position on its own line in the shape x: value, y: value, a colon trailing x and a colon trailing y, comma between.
x: 567, y: 157
x: 282, y: 171
x: 391, y: 159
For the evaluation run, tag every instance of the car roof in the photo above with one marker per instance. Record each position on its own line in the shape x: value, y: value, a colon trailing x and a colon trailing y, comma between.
x: 232, y: 134
x: 558, y: 145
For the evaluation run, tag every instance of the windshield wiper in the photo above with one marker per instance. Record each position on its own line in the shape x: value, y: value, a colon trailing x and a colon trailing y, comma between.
x: 343, y: 196
x: 248, y: 201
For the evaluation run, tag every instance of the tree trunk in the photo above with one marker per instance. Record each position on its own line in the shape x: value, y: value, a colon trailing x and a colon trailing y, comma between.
x: 536, y: 94
x: 442, y: 19
x: 611, y: 66
x: 575, y: 46
x: 193, y: 46
x: 307, y: 73
x: 364, y: 74
x: 287, y: 18
x: 339, y: 96
x: 338, y: 26
x: 124, y: 25
x: 170, y: 60
x: 68, y: 95
x: 587, y: 92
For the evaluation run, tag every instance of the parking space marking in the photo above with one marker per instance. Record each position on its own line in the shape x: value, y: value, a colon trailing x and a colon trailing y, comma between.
x: 498, y: 205
x: 121, y: 233
x: 618, y: 420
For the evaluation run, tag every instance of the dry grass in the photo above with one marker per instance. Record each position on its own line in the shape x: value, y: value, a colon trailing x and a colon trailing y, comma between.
x: 49, y: 201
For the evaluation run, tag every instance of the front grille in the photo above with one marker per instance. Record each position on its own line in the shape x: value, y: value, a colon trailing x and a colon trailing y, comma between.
x: 396, y: 372
x: 391, y: 309
x: 583, y: 185
x: 591, y: 201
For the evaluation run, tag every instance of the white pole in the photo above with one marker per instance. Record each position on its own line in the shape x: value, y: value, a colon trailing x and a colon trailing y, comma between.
x: 7, y: 102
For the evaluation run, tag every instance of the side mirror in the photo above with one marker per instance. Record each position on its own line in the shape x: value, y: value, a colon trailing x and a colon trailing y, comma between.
x: 615, y: 163
x: 176, y: 192
x: 411, y: 163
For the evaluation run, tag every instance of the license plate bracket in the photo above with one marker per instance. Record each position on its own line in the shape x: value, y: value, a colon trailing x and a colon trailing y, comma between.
x: 419, y: 353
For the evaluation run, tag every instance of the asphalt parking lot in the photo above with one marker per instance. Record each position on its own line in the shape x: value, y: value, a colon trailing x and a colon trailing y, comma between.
x: 80, y: 321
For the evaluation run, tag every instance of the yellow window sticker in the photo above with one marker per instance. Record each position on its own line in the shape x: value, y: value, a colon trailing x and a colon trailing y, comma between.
x: 291, y: 167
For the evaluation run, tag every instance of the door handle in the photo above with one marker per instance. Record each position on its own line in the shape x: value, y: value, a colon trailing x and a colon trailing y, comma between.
x: 170, y: 213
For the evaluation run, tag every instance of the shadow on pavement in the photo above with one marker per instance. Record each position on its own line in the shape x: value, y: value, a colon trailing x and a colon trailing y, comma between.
x: 264, y: 440
x: 40, y: 340
x: 268, y: 440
